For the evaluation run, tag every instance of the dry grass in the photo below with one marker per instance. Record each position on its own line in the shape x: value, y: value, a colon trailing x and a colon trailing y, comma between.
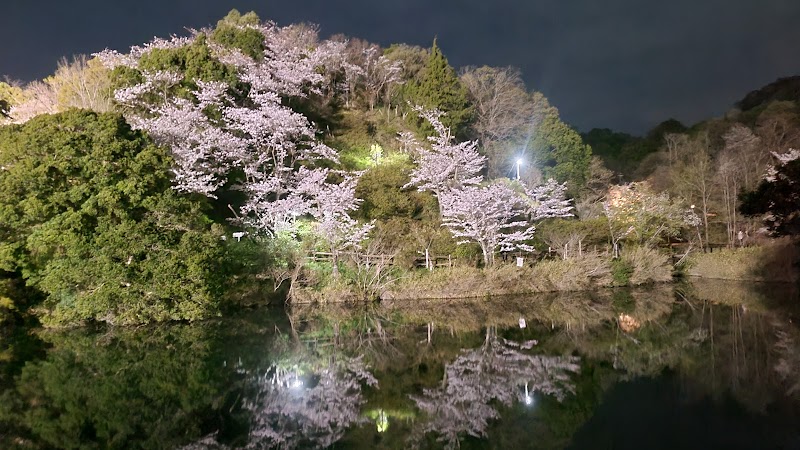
x: 585, y: 273
x: 577, y: 274
x: 776, y: 261
x: 649, y: 266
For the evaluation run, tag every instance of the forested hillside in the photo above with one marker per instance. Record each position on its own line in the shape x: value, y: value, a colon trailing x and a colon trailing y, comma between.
x: 713, y: 163
x: 249, y: 154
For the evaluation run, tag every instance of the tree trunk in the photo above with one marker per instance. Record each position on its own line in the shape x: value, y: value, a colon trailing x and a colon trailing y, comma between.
x: 705, y: 219
x: 335, y: 261
x: 487, y: 255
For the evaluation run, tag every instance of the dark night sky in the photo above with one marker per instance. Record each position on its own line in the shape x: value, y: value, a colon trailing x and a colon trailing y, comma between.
x: 622, y: 64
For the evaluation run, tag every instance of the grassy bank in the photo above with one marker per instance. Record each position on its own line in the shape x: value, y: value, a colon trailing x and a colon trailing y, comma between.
x: 588, y: 272
x: 777, y: 261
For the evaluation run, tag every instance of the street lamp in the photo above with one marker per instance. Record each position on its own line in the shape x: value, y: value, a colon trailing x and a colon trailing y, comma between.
x: 519, y: 161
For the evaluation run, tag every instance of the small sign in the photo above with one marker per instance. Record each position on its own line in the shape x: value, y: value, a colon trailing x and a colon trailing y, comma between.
x: 520, y: 261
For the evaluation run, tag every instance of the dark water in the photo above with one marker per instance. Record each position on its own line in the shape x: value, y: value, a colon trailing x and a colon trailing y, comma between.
x: 708, y: 365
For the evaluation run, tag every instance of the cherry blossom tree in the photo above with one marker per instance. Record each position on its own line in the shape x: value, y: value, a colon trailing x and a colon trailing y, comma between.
x: 445, y: 165
x: 330, y: 205
x: 241, y: 135
x: 548, y: 200
x: 494, y: 216
x: 498, y: 217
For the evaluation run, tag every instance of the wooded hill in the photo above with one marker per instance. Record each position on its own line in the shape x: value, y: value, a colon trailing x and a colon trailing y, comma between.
x: 304, y: 144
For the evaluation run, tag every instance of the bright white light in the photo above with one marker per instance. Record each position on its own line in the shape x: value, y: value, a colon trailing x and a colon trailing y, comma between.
x: 528, y: 396
x: 519, y: 161
x: 296, y: 383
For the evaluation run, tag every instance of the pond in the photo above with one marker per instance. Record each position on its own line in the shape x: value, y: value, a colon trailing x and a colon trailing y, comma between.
x: 701, y: 365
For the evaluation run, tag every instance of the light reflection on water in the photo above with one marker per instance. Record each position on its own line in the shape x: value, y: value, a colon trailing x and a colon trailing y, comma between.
x: 704, y: 365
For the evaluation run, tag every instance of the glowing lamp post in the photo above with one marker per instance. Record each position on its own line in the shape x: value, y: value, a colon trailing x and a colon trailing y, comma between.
x: 519, y: 162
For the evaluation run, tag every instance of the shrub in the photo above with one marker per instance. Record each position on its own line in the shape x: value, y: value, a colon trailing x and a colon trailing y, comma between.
x: 89, y: 217
x: 591, y: 269
x: 646, y: 265
x: 621, y: 272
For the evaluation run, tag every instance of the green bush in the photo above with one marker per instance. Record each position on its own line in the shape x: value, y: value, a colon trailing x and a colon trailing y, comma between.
x: 89, y: 217
x: 621, y: 271
x: 573, y: 274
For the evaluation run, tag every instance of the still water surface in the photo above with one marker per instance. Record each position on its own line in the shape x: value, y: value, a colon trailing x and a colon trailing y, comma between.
x: 706, y: 365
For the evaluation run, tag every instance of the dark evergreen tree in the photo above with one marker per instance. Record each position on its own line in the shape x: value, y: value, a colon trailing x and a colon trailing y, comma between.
x: 779, y: 198
x: 561, y: 154
x: 89, y: 217
x: 440, y: 88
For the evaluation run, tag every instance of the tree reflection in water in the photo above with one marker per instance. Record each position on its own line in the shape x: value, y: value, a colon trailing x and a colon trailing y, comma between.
x: 494, y: 372
x: 294, y: 408
x: 725, y: 354
x: 303, y: 405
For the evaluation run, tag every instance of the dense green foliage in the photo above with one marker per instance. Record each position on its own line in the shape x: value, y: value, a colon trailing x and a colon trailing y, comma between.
x: 88, y: 217
x: 381, y: 189
x: 561, y: 153
x: 229, y: 33
x: 146, y: 389
x: 439, y: 87
x: 624, y: 153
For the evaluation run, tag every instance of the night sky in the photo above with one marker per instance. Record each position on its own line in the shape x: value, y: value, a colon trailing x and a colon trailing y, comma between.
x: 622, y: 64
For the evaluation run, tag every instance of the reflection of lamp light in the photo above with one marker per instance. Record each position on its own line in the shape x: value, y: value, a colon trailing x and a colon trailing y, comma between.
x: 297, y: 383
x: 382, y: 421
x: 528, y: 397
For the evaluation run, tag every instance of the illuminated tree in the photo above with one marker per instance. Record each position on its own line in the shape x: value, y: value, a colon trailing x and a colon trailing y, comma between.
x: 548, y: 200
x: 330, y: 205
x: 445, y: 165
x: 492, y: 216
x: 252, y: 142
x: 505, y: 113
x: 636, y: 213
